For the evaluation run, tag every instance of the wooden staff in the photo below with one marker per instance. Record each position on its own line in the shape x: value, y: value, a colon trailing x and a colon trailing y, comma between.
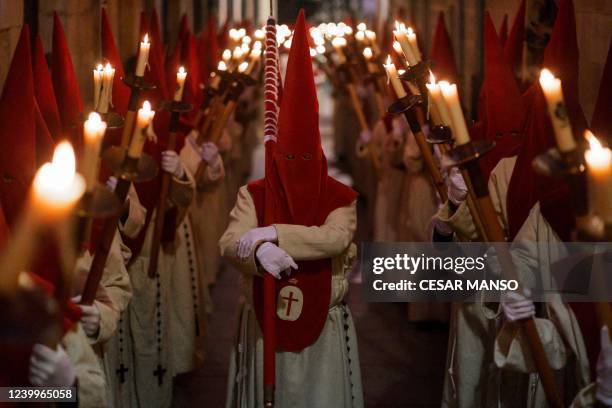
x: 130, y: 116
x: 496, y: 234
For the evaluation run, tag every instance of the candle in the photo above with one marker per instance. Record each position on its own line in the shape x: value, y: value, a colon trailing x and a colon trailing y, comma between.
x: 217, y: 78
x: 401, y: 35
x: 393, y: 78
x: 97, y: 77
x: 360, y: 36
x: 339, y: 43
x: 237, y: 55
x: 242, y: 68
x: 362, y: 27
x: 599, y: 163
x: 556, y: 109
x: 227, y: 55
x: 180, y: 84
x: 106, y: 92
x: 368, y: 55
x: 143, y: 56
x: 94, y: 129
x: 255, y: 54
x: 371, y: 35
x: 259, y: 34
x: 57, y: 187
x: 144, y: 118
x: 439, y: 106
x: 451, y: 97
x: 412, y: 39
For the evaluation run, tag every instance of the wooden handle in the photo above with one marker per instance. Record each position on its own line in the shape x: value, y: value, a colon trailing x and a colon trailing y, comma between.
x: 126, y: 135
x: 430, y: 165
x: 357, y: 106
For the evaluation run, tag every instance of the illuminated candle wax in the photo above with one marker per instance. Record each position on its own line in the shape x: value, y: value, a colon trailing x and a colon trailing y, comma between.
x: 401, y: 35
x: 57, y: 187
x: 227, y: 55
x: 599, y: 163
x: 339, y: 43
x: 97, y: 78
x: 143, y: 56
x: 106, y: 92
x: 255, y: 55
x: 237, y: 55
x: 143, y: 120
x: 438, y: 102
x: 217, y: 78
x: 181, y: 75
x: 94, y: 129
x: 412, y: 39
x: 451, y: 97
x: 242, y: 68
x: 371, y: 36
x: 368, y: 55
x: 360, y: 36
x: 393, y: 78
x: 362, y: 27
x: 556, y: 109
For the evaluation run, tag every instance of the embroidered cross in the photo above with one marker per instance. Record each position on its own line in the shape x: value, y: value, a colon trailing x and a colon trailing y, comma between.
x: 159, y: 373
x: 290, y: 301
x: 121, y: 372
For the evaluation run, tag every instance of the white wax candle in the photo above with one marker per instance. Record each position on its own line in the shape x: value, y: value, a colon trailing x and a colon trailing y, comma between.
x: 143, y: 120
x: 93, y: 133
x: 451, y: 97
x: 106, y: 93
x: 143, y: 56
x: 556, y: 109
x: 438, y: 101
x: 181, y: 75
x: 97, y: 78
x: 412, y: 39
x: 599, y: 163
x: 401, y: 35
x: 339, y: 43
x: 393, y: 78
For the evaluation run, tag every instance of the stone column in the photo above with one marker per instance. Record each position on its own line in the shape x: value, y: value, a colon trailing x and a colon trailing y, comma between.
x: 11, y: 19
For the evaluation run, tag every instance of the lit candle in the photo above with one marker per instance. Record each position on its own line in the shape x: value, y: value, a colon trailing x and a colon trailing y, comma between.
x: 339, y: 43
x: 227, y: 55
x: 393, y: 78
x: 143, y: 56
x: 556, y: 109
x: 401, y: 35
x: 360, y: 36
x: 371, y: 35
x: 412, y: 39
x: 451, y: 97
x: 599, y: 163
x: 106, y: 93
x: 181, y: 75
x: 255, y: 54
x: 57, y: 187
x: 217, y: 78
x: 439, y: 110
x: 143, y: 120
x: 362, y: 27
x: 368, y: 55
x: 237, y: 55
x: 242, y: 68
x: 260, y: 34
x: 94, y: 129
x: 97, y: 77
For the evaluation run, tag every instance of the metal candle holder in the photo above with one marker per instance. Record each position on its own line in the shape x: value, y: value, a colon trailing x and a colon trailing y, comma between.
x: 127, y: 168
x: 419, y: 75
x: 439, y: 134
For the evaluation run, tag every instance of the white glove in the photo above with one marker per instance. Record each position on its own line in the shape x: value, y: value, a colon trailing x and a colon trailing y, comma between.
x: 171, y: 163
x: 246, y: 242
x: 90, y: 320
x: 516, y: 306
x: 274, y: 260
x: 457, y: 190
x: 399, y: 128
x: 365, y: 136
x: 51, y: 368
x: 604, y: 369
x: 111, y: 183
x: 210, y: 154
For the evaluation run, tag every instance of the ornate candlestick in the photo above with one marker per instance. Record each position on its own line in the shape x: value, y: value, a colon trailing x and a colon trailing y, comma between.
x: 136, y: 84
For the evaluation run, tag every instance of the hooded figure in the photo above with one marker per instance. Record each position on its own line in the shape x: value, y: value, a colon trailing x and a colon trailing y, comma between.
x: 312, y: 221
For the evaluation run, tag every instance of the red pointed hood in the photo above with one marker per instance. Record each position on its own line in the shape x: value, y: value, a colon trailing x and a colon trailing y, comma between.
x: 44, y: 140
x: 513, y: 48
x: 602, y: 116
x: 526, y: 186
x: 43, y: 89
x: 298, y: 158
x: 223, y: 35
x: 503, y: 108
x: 184, y: 27
x: 442, y: 53
x: 65, y: 84
x: 121, y: 92
x: 156, y: 35
x: 503, y: 31
x: 193, y: 94
x: 18, y: 131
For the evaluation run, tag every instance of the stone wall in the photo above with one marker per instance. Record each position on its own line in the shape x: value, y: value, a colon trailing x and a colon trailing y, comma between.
x: 11, y: 18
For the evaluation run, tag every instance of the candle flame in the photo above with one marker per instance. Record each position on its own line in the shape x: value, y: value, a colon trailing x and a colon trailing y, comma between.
x: 57, y: 183
x: 145, y: 39
x: 242, y: 67
x: 401, y: 72
x: 99, y: 67
x: 259, y: 34
x: 222, y: 66
x: 348, y: 30
x: 246, y: 39
x: 227, y: 54
x: 360, y: 35
x: 546, y: 77
x: 109, y: 68
x: 367, y: 52
x: 594, y: 143
x: 181, y: 70
x: 339, y: 42
x: 94, y: 118
x: 398, y: 26
x: 362, y: 27
x: 389, y: 61
x: 313, y: 53
x: 371, y: 35
x: 320, y: 49
x: 432, y: 78
x: 410, y: 31
x: 146, y: 106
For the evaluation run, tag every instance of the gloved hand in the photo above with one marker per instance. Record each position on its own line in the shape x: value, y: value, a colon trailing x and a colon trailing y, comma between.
x: 604, y: 369
x: 274, y: 260
x: 51, y: 368
x: 210, y: 154
x: 246, y: 242
x: 111, y: 183
x: 365, y: 136
x: 171, y: 163
x: 399, y: 127
x: 90, y: 320
x: 517, y: 306
x: 457, y: 190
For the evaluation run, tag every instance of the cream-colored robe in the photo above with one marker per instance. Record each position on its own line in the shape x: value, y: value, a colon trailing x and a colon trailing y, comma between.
x: 91, y: 385
x: 327, y: 373
x: 152, y: 303
x: 480, y: 342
